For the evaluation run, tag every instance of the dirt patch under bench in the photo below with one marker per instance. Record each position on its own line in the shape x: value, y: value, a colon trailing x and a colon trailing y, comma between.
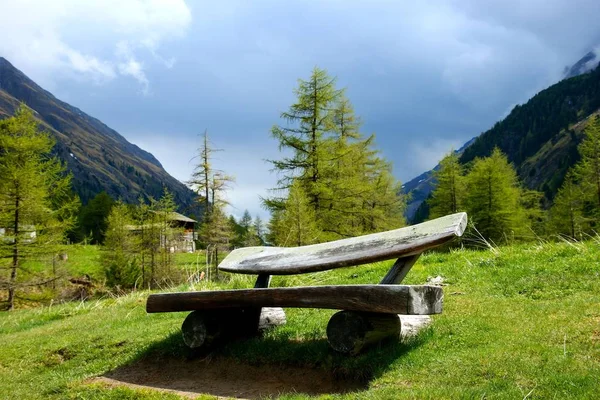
x: 226, y: 378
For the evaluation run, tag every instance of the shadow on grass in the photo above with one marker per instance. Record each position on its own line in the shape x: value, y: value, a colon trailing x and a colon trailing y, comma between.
x: 258, y: 367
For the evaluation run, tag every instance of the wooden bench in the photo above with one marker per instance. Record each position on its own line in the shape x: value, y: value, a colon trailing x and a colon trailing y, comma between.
x: 369, y: 312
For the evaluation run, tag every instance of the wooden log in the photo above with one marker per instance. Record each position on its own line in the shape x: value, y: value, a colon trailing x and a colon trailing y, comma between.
x: 399, y: 270
x: 203, y: 328
x: 393, y: 299
x: 359, y: 250
x: 349, y: 332
x: 271, y: 317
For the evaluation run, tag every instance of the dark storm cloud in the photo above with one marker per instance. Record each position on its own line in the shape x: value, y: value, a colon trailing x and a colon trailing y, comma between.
x: 424, y: 76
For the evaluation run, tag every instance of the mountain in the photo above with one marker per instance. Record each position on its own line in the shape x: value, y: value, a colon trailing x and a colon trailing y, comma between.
x: 539, y: 137
x: 98, y: 156
x: 586, y: 64
x: 420, y: 187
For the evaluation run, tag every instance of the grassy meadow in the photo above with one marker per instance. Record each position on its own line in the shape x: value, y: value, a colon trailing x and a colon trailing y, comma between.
x: 519, y: 321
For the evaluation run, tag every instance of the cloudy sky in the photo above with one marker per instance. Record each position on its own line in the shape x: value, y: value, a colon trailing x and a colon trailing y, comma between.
x: 424, y: 76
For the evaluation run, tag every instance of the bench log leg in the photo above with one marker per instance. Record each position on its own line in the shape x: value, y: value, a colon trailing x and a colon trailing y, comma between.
x: 202, y: 328
x: 349, y: 332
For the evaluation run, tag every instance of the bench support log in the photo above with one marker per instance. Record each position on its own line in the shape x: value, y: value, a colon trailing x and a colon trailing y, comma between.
x: 399, y: 270
x: 202, y: 328
x: 349, y: 332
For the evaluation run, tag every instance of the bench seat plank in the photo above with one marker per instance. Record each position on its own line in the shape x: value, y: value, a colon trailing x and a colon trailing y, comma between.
x: 395, y: 299
x: 365, y: 249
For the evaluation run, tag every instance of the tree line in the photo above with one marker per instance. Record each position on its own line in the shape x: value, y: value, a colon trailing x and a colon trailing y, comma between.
x: 500, y: 208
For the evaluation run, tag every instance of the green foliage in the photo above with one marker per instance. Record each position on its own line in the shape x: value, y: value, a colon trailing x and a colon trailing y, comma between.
x: 349, y: 187
x: 122, y: 269
x: 566, y: 217
x: 493, y: 199
x: 36, y: 203
x: 588, y: 169
x: 449, y: 194
x: 92, y: 219
x: 295, y: 225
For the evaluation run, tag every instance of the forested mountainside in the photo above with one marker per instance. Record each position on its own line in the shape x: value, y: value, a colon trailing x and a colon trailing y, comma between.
x: 539, y: 137
x: 98, y: 156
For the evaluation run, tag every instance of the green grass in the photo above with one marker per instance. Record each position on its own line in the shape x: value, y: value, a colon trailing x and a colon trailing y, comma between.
x: 521, y: 321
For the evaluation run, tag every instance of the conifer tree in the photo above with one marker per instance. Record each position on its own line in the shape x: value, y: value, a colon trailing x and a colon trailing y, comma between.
x: 566, y: 217
x: 118, y: 257
x: 493, y: 198
x: 259, y: 228
x: 36, y: 203
x: 588, y: 168
x: 307, y: 122
x: 448, y: 195
x: 295, y: 225
x: 350, y: 188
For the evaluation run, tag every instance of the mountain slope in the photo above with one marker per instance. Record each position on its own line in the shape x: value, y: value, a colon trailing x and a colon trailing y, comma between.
x: 539, y: 137
x: 552, y: 119
x: 585, y: 64
x: 98, y: 156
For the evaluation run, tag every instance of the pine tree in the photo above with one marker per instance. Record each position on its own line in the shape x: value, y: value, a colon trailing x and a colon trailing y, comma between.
x: 36, y: 203
x: 493, y: 198
x: 448, y: 195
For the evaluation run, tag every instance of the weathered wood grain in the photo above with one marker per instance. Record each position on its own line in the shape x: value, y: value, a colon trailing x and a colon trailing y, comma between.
x: 397, y: 299
x: 349, y: 332
x: 401, y: 242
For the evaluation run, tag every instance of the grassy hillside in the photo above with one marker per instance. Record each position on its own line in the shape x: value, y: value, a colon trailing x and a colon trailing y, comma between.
x: 518, y: 322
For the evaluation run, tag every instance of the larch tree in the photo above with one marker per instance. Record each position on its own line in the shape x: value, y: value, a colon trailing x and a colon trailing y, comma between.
x: 295, y: 224
x: 566, y: 217
x: 588, y: 169
x: 493, y: 198
x: 449, y: 193
x: 348, y: 185
x: 118, y: 258
x: 36, y: 203
x: 306, y: 124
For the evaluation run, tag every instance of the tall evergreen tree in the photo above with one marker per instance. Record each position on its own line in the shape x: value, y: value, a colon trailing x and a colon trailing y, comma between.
x: 493, y: 198
x: 349, y: 187
x: 36, y: 204
x: 307, y: 122
x: 448, y: 195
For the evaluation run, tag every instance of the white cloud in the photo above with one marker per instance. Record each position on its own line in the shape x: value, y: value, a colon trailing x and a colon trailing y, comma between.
x: 425, y: 155
x: 72, y: 37
x: 245, y: 163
